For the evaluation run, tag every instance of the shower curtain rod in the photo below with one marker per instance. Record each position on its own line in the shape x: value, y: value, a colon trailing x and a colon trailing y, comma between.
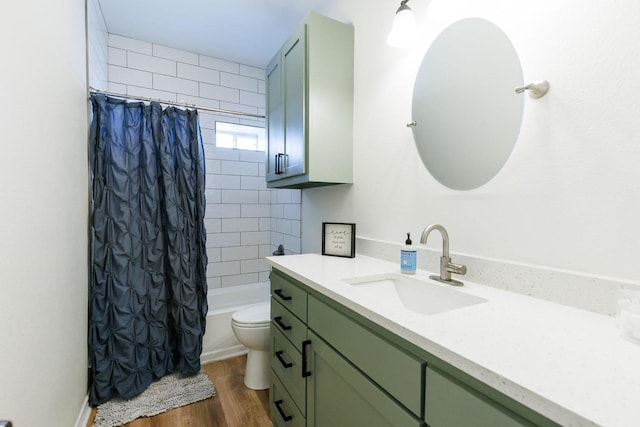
x: 179, y: 104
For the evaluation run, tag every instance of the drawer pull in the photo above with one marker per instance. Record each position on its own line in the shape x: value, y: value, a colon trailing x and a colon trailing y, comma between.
x: 278, y: 320
x: 282, y: 295
x: 282, y: 361
x: 284, y: 416
x: 305, y: 372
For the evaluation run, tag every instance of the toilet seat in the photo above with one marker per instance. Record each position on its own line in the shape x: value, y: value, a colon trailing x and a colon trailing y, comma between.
x: 258, y: 316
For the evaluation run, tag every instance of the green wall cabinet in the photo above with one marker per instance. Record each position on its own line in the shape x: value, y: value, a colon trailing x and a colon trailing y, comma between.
x: 309, y: 107
x: 333, y: 368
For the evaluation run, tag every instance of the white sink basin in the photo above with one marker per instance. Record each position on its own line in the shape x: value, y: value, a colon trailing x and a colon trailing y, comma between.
x: 417, y: 295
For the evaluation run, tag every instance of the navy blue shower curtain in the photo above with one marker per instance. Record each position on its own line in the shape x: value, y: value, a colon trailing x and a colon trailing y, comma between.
x: 147, y: 302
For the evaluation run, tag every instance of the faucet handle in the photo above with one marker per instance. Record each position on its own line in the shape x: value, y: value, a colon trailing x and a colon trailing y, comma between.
x: 456, y: 268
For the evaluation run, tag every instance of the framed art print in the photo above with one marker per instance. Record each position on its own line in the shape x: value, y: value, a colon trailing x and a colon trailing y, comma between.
x: 339, y: 239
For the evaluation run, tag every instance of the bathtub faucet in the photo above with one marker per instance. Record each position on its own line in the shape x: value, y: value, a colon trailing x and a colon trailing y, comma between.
x: 446, y: 266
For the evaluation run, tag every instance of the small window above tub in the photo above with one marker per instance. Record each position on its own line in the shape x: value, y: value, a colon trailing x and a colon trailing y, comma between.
x: 241, y: 137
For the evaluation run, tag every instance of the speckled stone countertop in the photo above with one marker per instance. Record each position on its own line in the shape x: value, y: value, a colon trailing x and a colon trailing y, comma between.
x: 569, y: 365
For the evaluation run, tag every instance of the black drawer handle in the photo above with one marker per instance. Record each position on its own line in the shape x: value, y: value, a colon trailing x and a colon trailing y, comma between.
x: 282, y: 295
x: 282, y: 361
x: 278, y: 320
x: 284, y: 416
x: 305, y: 371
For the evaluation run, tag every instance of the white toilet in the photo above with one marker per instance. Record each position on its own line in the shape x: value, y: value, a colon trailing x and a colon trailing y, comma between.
x: 252, y: 328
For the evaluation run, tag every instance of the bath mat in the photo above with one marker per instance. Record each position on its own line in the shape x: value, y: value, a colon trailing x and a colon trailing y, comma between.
x: 171, y: 391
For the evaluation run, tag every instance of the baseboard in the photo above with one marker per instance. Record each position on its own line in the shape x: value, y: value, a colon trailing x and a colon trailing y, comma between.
x: 225, y: 353
x: 85, y: 413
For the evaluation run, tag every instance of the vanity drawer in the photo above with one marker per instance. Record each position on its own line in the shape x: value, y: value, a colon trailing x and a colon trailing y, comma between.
x: 285, y: 290
x: 290, y: 326
x: 397, y: 372
x: 286, y: 363
x: 450, y: 403
x: 282, y: 406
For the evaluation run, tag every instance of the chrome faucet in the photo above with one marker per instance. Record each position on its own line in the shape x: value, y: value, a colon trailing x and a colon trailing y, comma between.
x: 446, y: 266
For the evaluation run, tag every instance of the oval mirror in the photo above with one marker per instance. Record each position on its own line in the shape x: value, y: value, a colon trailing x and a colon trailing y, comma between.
x: 466, y: 111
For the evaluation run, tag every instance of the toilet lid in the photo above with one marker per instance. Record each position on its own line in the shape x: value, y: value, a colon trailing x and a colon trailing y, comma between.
x: 256, y: 315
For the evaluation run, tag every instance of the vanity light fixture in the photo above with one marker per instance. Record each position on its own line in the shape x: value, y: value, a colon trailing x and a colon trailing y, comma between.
x: 404, y: 28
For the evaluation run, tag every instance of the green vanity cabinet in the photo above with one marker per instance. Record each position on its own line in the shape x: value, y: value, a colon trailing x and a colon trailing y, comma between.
x: 323, y: 371
x: 332, y: 367
x: 309, y: 106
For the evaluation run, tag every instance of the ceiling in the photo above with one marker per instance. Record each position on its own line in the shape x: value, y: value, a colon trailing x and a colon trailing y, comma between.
x: 245, y: 31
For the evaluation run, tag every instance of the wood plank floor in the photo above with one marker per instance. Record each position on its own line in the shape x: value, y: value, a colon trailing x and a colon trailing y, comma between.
x: 234, y: 405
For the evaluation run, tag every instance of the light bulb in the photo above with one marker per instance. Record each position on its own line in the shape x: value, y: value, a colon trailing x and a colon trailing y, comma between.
x: 404, y: 29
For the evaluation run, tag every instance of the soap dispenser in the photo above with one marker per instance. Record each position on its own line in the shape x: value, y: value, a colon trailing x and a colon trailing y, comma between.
x: 408, y: 257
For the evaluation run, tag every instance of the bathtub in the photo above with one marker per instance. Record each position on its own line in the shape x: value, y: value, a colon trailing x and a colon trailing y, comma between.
x: 219, y: 342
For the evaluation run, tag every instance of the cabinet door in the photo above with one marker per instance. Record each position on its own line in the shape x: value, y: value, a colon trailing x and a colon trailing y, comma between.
x: 293, y: 69
x: 393, y: 369
x: 450, y: 403
x: 275, y: 119
x: 338, y: 395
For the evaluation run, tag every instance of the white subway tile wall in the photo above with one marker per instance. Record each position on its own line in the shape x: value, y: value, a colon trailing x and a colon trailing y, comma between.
x: 245, y: 220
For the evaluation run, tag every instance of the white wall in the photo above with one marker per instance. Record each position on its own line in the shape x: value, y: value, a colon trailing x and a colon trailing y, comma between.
x: 43, y: 213
x: 569, y: 196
